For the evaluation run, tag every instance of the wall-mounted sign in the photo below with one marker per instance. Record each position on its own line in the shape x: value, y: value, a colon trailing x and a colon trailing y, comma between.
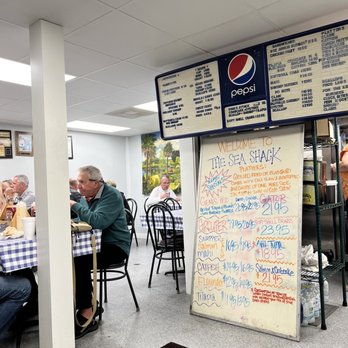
x: 303, y: 76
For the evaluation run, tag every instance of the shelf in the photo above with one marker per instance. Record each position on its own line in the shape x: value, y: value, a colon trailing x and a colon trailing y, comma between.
x: 328, y: 271
x: 323, y: 207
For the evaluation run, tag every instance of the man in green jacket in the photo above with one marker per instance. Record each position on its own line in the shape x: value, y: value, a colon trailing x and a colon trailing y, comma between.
x: 105, y: 211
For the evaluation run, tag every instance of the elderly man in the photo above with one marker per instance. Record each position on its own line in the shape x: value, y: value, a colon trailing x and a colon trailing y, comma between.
x: 20, y: 186
x: 105, y: 211
x: 161, y: 192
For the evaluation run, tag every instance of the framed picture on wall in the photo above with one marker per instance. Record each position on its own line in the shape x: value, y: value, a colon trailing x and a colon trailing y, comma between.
x: 5, y: 144
x: 24, y: 143
x: 70, y: 147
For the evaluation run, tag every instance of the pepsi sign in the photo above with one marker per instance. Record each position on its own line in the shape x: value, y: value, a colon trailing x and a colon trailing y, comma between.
x: 242, y: 76
x: 241, y: 69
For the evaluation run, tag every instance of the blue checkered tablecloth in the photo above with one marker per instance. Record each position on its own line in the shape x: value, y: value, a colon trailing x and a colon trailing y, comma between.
x: 178, y: 219
x: 16, y: 254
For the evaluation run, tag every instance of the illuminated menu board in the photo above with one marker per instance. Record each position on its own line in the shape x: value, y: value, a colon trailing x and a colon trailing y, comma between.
x: 300, y: 77
x: 247, y: 249
x: 308, y: 75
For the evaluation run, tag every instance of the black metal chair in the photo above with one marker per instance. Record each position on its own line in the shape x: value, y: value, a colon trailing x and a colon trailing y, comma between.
x: 133, y: 205
x: 120, y: 270
x: 145, y: 210
x: 173, y: 203
x: 167, y: 243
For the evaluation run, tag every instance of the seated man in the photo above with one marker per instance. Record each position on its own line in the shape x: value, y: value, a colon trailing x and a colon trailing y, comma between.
x: 14, y: 292
x: 161, y: 192
x: 105, y: 211
x: 20, y: 186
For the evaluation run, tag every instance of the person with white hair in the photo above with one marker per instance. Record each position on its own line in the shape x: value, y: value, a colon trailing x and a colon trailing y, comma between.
x: 105, y: 211
x: 21, y: 187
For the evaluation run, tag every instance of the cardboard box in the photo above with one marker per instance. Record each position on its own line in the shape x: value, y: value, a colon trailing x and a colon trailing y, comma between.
x: 323, y: 128
x: 309, y: 194
x: 308, y: 171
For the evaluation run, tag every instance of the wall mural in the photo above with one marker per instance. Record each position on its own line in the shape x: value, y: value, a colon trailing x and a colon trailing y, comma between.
x: 160, y: 157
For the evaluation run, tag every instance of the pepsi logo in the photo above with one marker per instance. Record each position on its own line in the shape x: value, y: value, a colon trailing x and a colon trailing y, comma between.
x: 241, y: 69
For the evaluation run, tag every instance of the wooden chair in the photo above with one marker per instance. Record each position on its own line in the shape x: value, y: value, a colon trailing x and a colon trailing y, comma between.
x: 133, y: 205
x: 120, y: 270
x: 167, y: 244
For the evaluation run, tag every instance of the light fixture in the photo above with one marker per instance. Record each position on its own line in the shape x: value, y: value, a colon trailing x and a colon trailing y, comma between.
x: 100, y: 127
x: 19, y: 73
x: 151, y: 106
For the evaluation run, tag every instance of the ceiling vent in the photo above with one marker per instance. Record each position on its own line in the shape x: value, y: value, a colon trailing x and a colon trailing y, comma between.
x: 130, y: 113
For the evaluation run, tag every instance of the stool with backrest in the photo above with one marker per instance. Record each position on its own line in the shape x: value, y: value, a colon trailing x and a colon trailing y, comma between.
x: 166, y: 242
x: 119, y: 270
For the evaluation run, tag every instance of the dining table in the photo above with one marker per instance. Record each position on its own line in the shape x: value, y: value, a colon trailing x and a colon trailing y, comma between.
x: 177, y: 215
x: 20, y: 253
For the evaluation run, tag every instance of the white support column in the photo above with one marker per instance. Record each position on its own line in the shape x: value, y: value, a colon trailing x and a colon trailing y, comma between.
x: 51, y: 185
x: 188, y: 168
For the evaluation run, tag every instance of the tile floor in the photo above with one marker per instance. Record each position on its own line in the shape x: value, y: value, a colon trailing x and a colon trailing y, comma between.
x: 165, y: 317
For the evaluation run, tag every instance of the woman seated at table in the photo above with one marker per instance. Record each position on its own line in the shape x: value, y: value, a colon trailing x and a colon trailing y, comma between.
x: 105, y: 211
x: 16, y: 288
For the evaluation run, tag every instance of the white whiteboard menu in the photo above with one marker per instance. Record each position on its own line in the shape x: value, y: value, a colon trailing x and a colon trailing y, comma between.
x: 190, y: 100
x: 308, y: 75
x: 247, y: 249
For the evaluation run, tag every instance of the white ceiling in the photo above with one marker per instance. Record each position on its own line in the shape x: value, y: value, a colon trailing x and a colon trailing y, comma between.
x: 117, y: 47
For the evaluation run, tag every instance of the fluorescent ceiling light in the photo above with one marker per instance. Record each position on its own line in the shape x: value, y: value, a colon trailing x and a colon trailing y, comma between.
x: 100, y: 127
x: 19, y: 73
x: 151, y: 106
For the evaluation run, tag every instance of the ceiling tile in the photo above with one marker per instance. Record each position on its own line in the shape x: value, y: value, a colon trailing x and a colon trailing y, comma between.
x: 23, y: 106
x: 285, y: 13
x: 13, y: 91
x: 119, y: 35
x: 123, y: 74
x: 248, y: 43
x: 70, y: 14
x: 72, y: 99
x: 171, y: 56
x: 80, y: 61
x: 12, y: 117
x: 97, y: 106
x: 182, y: 17
x: 317, y: 22
x: 73, y: 114
x: 4, y: 101
x: 257, y: 4
x: 87, y: 89
x: 148, y: 88
x: 14, y: 41
x: 234, y: 31
x: 128, y: 97
x: 116, y: 3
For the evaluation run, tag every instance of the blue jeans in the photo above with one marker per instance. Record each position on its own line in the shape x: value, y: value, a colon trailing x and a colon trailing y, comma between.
x: 14, y: 292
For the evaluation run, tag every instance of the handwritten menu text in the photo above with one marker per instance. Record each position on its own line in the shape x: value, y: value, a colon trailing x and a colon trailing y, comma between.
x: 246, y: 264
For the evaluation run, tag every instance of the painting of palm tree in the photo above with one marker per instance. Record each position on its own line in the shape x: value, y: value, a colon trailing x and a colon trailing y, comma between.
x: 160, y: 157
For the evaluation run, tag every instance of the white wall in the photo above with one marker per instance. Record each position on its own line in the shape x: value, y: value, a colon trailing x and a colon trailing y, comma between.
x: 120, y: 159
x: 106, y: 152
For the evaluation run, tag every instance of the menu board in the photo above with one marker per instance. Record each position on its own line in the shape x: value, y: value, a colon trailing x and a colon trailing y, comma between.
x: 190, y: 100
x: 247, y: 249
x: 308, y: 75
x: 288, y: 80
